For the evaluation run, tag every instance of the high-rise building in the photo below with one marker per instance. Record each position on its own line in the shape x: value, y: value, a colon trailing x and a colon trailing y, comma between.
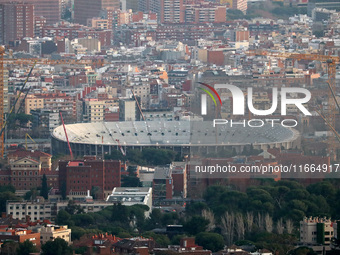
x: 87, y: 9
x: 50, y: 9
x: 39, y: 23
x: 16, y: 21
x: 128, y: 110
x: 172, y: 11
x: 132, y: 4
x: 153, y: 6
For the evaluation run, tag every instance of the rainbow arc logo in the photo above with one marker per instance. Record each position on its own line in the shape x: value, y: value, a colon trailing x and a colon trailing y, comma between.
x: 204, y: 97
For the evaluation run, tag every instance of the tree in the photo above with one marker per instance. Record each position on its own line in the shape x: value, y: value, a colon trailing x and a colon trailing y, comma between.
x: 130, y: 181
x: 195, y: 208
x: 64, y: 218
x: 210, y: 241
x: 158, y: 156
x: 8, y: 188
x: 268, y: 223
x: 155, y: 219
x: 302, y: 251
x: 234, y: 14
x: 9, y: 248
x: 77, y: 232
x: 26, y: 248
x: 279, y: 226
x: 120, y: 214
x: 31, y: 194
x: 289, y: 226
x: 72, y: 208
x: 196, y: 225
x: 227, y: 225
x: 209, y: 215
x: 5, y: 196
x: 56, y: 247
x: 249, y: 221
x: 95, y: 191
x: 240, y: 228
x: 161, y: 240
x: 44, y: 188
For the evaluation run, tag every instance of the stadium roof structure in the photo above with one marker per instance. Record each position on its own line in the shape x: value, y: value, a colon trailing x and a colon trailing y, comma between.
x: 172, y: 133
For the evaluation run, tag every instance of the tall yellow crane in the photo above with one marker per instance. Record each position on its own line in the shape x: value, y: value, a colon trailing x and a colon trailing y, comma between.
x: 331, y: 61
x: 96, y: 63
x: 28, y: 136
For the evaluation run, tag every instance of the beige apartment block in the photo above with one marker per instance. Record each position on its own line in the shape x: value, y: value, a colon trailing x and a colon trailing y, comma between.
x: 316, y: 231
x: 51, y: 232
x: 94, y: 111
x: 33, y: 103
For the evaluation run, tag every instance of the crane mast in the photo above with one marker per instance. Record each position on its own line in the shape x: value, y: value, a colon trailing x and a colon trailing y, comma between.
x: 2, y: 116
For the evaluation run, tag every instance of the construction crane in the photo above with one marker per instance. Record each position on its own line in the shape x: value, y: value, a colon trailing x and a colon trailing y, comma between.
x: 140, y: 109
x: 27, y: 135
x: 121, y: 148
x: 96, y: 63
x: 331, y: 61
x: 328, y: 124
x: 2, y: 142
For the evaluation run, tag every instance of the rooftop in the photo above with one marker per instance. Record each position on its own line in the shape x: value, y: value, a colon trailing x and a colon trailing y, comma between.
x: 169, y: 133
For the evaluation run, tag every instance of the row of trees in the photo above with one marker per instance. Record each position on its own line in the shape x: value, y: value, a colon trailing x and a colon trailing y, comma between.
x: 283, y: 199
x: 56, y: 247
x: 146, y: 157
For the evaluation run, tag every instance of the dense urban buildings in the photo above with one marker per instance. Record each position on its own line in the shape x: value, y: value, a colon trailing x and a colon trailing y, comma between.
x: 155, y: 120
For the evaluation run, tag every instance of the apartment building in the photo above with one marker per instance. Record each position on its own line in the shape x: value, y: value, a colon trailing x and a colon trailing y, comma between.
x: 41, y: 209
x: 93, y: 174
x: 142, y: 91
x: 93, y: 110
x: 46, y: 120
x: 205, y: 12
x: 19, y: 235
x: 36, y: 210
x: 172, y: 11
x: 128, y: 110
x: 51, y: 232
x: 99, y: 23
x: 316, y: 231
x: 17, y: 21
